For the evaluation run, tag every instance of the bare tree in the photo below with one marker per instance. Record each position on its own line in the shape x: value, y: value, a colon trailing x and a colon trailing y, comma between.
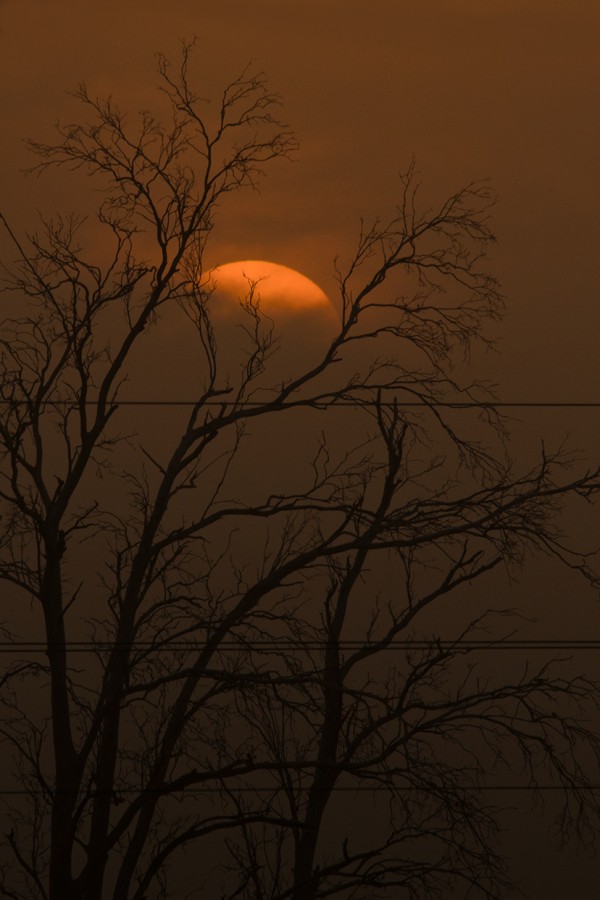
x: 242, y: 681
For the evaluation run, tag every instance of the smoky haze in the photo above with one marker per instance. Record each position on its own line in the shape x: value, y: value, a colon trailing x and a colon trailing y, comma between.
x: 503, y: 92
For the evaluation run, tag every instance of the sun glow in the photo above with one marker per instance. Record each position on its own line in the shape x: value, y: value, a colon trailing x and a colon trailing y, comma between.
x: 279, y: 290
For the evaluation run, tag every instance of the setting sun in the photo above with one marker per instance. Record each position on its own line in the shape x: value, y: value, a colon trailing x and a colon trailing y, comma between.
x: 280, y: 291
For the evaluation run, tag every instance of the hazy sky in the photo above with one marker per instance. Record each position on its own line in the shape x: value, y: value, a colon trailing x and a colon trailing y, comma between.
x: 471, y: 88
x: 505, y: 89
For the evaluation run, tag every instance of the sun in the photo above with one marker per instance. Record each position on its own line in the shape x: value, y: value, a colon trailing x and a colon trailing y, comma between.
x: 181, y: 350
x: 281, y: 292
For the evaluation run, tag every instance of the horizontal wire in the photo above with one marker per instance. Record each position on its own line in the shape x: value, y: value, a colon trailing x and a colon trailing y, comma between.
x: 324, y: 404
x: 118, y: 792
x: 92, y: 646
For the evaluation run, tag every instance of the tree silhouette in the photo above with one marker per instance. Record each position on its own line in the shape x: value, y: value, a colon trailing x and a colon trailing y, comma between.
x: 265, y: 666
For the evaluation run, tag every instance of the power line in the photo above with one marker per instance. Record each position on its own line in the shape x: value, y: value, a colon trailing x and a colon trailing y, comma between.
x: 325, y: 404
x: 117, y: 793
x: 285, y: 644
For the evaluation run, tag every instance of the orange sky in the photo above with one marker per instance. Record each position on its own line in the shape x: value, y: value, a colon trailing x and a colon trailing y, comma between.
x: 503, y: 88
x: 508, y: 89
